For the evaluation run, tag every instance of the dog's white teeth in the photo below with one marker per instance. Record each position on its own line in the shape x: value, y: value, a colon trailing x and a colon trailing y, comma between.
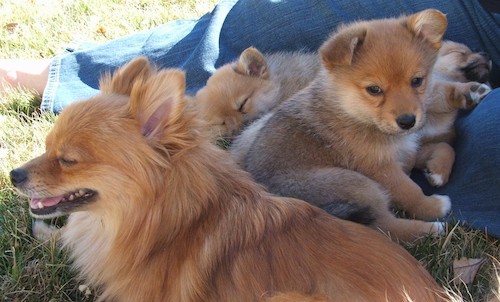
x: 76, y: 195
x: 40, y: 205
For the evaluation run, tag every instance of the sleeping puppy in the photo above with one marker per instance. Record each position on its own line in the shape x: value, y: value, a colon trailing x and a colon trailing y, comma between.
x: 242, y: 91
x: 459, y: 79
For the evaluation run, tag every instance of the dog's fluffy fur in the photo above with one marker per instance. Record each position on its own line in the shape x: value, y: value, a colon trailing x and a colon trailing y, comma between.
x: 458, y: 82
x: 158, y: 213
x: 242, y: 91
x: 349, y: 137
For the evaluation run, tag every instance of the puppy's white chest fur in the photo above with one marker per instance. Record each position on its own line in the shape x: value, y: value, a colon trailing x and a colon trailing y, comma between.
x: 407, y: 147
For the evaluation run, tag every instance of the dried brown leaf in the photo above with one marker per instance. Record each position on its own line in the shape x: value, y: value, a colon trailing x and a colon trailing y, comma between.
x: 11, y: 26
x: 465, y: 269
x: 101, y: 30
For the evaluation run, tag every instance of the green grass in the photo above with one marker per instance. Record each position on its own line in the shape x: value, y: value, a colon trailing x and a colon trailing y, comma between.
x: 42, y: 28
x: 438, y: 254
x: 31, y: 270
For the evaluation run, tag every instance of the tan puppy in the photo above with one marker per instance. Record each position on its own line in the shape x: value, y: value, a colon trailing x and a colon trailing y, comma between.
x: 242, y: 91
x: 355, y: 127
x: 158, y: 213
x: 458, y: 79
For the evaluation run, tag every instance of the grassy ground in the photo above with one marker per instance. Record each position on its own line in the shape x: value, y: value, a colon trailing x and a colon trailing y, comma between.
x: 31, y: 270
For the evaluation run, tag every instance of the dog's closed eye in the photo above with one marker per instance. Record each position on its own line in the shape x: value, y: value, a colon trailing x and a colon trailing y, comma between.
x: 241, y: 109
x: 63, y: 161
x: 458, y: 52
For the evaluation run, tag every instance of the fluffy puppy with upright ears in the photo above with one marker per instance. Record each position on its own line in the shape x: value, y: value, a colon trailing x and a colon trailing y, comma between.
x: 345, y: 142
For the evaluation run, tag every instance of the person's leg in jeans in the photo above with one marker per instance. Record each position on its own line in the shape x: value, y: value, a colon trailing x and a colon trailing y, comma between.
x: 200, y: 46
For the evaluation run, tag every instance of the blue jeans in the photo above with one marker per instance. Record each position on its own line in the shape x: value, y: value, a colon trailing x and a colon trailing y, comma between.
x: 200, y: 46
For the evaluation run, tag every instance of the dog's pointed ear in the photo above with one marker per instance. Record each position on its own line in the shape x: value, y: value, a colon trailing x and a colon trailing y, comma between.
x: 158, y: 101
x: 339, y: 49
x: 252, y: 63
x: 123, y: 79
x: 429, y: 24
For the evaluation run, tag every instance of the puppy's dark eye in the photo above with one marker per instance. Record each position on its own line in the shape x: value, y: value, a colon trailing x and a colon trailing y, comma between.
x: 374, y: 90
x: 66, y: 161
x: 417, y: 82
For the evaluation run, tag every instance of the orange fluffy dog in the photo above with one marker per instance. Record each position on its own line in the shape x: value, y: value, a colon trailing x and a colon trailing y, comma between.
x: 158, y: 213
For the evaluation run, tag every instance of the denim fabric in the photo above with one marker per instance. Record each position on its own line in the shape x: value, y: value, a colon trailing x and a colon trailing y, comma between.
x: 474, y: 185
x: 200, y: 46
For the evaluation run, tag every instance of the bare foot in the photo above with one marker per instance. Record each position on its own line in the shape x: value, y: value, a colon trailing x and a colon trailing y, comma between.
x: 30, y: 74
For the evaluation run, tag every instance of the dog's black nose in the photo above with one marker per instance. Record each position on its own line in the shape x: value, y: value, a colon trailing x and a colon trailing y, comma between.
x: 18, y: 176
x: 406, y: 121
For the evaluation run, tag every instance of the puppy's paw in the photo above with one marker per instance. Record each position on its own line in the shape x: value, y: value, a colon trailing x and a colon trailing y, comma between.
x: 43, y: 231
x: 439, y: 164
x: 475, y: 94
x: 434, y: 179
x: 438, y: 172
x: 443, y: 202
x: 438, y: 229
x: 432, y: 207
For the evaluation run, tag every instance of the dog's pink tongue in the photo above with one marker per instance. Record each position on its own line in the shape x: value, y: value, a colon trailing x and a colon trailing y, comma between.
x: 46, y: 202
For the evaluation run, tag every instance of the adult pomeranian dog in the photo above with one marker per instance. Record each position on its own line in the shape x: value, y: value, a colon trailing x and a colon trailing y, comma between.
x: 159, y: 213
x: 345, y: 142
x: 458, y: 82
x: 242, y: 91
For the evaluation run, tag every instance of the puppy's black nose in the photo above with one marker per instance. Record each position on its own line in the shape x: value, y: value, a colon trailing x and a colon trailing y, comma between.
x: 406, y: 121
x: 18, y: 176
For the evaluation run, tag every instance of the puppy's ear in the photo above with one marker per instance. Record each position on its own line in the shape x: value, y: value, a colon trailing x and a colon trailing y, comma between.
x: 158, y: 101
x: 429, y: 24
x: 123, y: 79
x: 251, y: 63
x: 339, y: 49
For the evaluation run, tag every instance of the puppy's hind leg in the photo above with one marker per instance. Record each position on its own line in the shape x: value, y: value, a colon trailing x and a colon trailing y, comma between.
x: 407, y: 230
x: 352, y: 196
x: 377, y: 204
x: 340, y: 192
x: 407, y: 195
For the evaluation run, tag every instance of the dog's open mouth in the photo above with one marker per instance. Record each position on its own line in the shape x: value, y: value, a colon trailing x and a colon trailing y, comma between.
x: 60, y: 205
